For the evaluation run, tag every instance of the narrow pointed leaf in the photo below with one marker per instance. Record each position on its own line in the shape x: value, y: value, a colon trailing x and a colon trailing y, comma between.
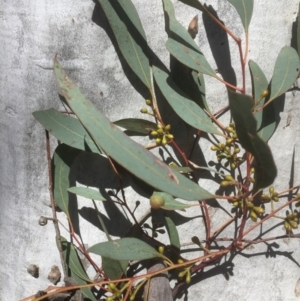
x: 245, y: 10
x: 114, y: 269
x: 170, y: 202
x: 190, y: 112
x: 130, y: 36
x: 241, y: 110
x: 173, y: 233
x: 259, y: 84
x: 136, y: 125
x: 285, y: 72
x: 125, y: 249
x: 122, y: 149
x: 181, y: 45
x: 75, y: 267
x: 88, y: 193
x: 66, y: 129
x: 63, y: 159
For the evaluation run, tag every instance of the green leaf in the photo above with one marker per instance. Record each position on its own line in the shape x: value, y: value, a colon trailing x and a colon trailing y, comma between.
x: 88, y: 193
x: 170, y: 202
x: 114, y: 269
x: 136, y: 125
x: 63, y: 159
x: 181, y: 104
x: 173, y: 233
x: 129, y: 154
x: 285, y: 72
x: 182, y: 46
x: 259, y: 84
x: 241, y: 110
x: 128, y: 248
x: 130, y: 36
x: 66, y: 129
x: 194, y: 3
x: 76, y: 270
x: 245, y: 10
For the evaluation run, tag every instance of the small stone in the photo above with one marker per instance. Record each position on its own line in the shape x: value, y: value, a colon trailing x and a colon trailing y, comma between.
x: 54, y: 275
x: 33, y: 270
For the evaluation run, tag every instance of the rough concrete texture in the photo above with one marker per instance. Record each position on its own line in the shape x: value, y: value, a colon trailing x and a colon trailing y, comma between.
x: 32, y: 32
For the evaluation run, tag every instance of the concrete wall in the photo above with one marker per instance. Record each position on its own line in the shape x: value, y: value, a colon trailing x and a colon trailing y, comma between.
x: 31, y: 33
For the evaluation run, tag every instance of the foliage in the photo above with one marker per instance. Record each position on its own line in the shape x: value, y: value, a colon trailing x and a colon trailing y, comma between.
x: 243, y: 160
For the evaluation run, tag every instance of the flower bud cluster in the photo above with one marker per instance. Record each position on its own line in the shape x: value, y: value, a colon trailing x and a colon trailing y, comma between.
x: 291, y: 221
x: 162, y: 134
x: 272, y: 196
x: 229, y: 150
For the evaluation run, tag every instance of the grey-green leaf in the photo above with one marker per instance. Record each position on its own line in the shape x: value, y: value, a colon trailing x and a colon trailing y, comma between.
x: 181, y: 45
x: 241, y: 110
x: 88, y: 193
x: 130, y: 36
x: 128, y: 248
x: 173, y: 233
x: 122, y: 149
x: 75, y: 267
x: 66, y: 129
x: 62, y: 161
x: 114, y: 269
x: 259, y: 84
x: 170, y: 202
x: 285, y: 72
x: 136, y: 125
x: 245, y: 10
x: 190, y: 112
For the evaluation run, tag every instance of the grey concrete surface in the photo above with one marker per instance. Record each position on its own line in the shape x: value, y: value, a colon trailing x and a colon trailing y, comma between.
x: 31, y: 33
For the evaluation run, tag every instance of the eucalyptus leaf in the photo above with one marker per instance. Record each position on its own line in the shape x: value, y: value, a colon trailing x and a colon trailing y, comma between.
x: 182, y: 46
x: 241, y: 110
x: 245, y: 10
x: 76, y: 270
x: 130, y: 36
x: 259, y: 85
x: 136, y: 125
x: 194, y: 3
x: 190, y: 112
x: 88, y: 193
x: 114, y: 269
x: 285, y: 72
x: 62, y: 161
x: 128, y: 248
x: 170, y: 202
x: 66, y: 129
x: 122, y: 149
x: 173, y: 233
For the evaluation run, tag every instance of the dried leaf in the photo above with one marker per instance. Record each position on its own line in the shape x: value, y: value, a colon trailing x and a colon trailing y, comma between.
x: 193, y: 27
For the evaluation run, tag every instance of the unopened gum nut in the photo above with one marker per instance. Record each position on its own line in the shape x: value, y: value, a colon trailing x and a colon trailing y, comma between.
x: 156, y: 201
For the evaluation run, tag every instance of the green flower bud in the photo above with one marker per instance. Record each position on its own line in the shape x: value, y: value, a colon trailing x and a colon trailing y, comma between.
x: 144, y: 110
x: 264, y: 93
x: 229, y: 141
x: 229, y: 178
x: 214, y: 148
x: 181, y: 274
x: 259, y: 210
x: 168, y: 127
x: 287, y: 226
x: 271, y: 190
x: 188, y: 277
x: 156, y: 201
x: 293, y: 224
x: 236, y: 150
x: 233, y: 165
x: 164, y: 140
x: 229, y: 129
x: 158, y: 141
x: 148, y: 102
x: 161, y: 249
x: 234, y: 135
x: 160, y: 131
x: 154, y: 133
x: 253, y: 216
x: 170, y: 136
x: 265, y: 197
x: 226, y: 183
x: 275, y: 199
x: 250, y: 205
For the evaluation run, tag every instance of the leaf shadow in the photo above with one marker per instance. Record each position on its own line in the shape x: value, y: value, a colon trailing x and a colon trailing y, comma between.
x: 219, y: 45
